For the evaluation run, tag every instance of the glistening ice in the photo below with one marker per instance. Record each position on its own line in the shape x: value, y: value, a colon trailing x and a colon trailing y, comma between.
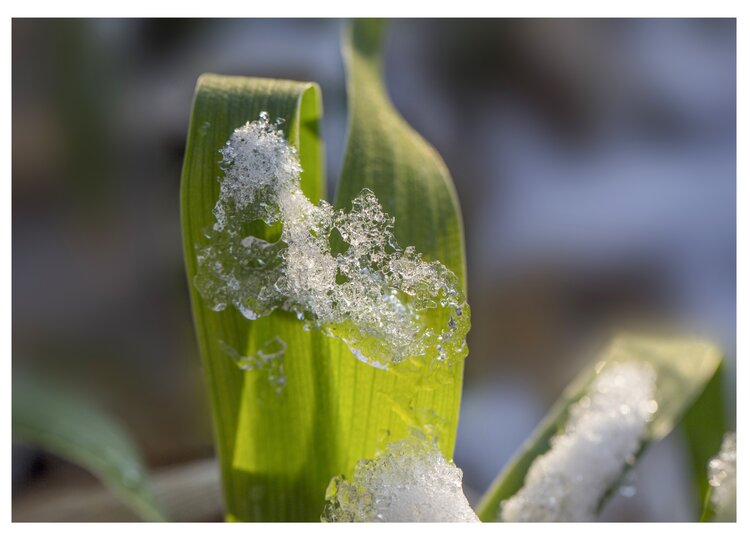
x: 340, y: 271
x: 410, y: 481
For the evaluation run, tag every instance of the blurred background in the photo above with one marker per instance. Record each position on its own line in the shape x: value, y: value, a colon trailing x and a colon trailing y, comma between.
x: 594, y: 161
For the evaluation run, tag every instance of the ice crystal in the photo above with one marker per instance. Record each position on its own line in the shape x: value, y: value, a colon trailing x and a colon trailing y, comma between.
x: 410, y: 481
x: 266, y: 359
x: 600, y: 439
x: 340, y: 271
x: 722, y: 476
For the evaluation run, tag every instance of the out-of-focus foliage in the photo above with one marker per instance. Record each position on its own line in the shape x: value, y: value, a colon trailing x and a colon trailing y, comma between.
x: 66, y: 425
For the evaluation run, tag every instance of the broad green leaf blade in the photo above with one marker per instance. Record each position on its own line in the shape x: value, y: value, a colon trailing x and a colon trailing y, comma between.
x: 385, y: 154
x: 683, y: 367
x: 276, y: 450
x: 67, y: 426
x: 412, y: 183
x: 279, y: 451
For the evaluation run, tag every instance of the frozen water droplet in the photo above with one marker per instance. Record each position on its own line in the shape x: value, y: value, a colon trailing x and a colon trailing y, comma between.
x: 267, y: 360
x: 627, y: 485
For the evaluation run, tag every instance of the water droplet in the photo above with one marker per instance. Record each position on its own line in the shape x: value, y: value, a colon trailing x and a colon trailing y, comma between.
x: 627, y: 486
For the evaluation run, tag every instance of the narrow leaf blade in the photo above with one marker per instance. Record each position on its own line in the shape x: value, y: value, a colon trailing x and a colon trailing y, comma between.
x: 68, y: 426
x: 704, y: 427
x: 683, y: 367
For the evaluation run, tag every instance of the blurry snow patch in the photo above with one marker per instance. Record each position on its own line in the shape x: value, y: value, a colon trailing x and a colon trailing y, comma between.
x: 722, y: 476
x: 600, y: 440
x: 410, y: 481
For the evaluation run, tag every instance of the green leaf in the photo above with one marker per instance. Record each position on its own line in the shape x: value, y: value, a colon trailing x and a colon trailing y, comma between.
x: 275, y: 450
x: 412, y: 183
x: 684, y: 367
x: 704, y: 427
x: 67, y: 426
x: 707, y: 509
x: 278, y: 451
